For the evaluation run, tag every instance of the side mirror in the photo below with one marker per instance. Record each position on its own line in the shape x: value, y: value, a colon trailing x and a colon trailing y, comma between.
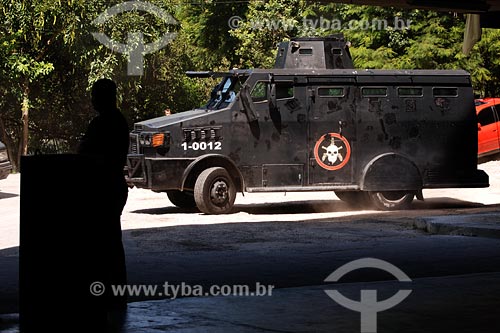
x: 479, y: 126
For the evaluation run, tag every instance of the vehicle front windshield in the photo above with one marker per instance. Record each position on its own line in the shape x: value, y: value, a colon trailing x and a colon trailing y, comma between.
x: 224, y: 93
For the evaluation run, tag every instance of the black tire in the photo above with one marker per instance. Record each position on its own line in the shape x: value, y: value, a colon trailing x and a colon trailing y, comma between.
x: 214, y: 191
x: 391, y: 200
x: 181, y: 199
x: 356, y: 199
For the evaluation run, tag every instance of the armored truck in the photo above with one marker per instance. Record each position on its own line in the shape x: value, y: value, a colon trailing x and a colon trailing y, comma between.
x: 314, y: 123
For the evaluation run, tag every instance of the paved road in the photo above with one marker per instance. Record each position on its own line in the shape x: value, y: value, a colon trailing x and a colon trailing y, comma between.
x: 289, y: 242
x: 303, y: 254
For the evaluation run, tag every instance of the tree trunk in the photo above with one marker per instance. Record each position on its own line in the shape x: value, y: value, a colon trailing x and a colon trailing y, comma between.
x: 25, y: 108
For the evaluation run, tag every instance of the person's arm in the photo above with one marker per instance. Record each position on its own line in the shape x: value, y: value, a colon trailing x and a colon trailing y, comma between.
x: 89, y: 140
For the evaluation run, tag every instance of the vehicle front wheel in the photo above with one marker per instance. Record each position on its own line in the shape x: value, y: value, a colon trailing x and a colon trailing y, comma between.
x: 181, y: 199
x: 214, y: 191
x: 391, y: 200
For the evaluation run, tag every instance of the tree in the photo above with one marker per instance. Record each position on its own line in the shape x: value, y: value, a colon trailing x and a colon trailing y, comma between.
x: 49, y: 59
x: 484, y: 64
x: 206, y: 33
x: 264, y: 26
x: 32, y: 31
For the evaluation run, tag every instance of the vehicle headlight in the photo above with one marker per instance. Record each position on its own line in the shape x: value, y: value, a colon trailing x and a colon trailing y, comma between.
x: 145, y: 139
x: 3, y: 156
x: 156, y: 140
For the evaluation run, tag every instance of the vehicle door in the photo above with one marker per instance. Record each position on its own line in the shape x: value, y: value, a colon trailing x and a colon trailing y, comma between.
x: 274, y: 153
x: 332, y: 132
x: 488, y: 135
x: 497, y: 114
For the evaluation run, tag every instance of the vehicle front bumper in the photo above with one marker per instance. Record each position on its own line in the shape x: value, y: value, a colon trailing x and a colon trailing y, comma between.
x: 157, y: 174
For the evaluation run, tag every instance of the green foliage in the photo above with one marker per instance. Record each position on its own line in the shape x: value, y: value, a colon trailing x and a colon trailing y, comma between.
x: 49, y: 59
x: 266, y: 24
x: 206, y: 33
x: 484, y: 63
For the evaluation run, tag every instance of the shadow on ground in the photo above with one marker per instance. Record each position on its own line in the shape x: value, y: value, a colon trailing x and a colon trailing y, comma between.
x: 5, y: 195
x: 316, y: 206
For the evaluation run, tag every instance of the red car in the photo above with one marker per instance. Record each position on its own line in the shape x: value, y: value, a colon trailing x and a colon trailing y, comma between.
x: 488, y: 126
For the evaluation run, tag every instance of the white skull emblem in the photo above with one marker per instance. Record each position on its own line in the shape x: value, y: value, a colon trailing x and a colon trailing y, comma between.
x: 332, y: 153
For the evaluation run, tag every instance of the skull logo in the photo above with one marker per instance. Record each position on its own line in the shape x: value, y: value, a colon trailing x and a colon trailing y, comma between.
x: 332, y: 152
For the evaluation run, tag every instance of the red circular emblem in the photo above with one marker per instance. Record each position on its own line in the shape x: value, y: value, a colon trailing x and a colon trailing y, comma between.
x: 332, y: 151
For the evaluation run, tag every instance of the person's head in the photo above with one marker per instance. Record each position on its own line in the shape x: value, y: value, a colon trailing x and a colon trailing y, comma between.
x: 104, y: 95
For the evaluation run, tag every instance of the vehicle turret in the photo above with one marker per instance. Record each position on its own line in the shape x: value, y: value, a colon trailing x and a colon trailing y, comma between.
x: 314, y: 53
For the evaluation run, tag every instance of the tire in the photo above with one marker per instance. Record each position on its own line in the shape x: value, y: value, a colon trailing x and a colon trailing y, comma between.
x: 214, y: 191
x: 181, y: 199
x: 356, y: 199
x: 391, y: 200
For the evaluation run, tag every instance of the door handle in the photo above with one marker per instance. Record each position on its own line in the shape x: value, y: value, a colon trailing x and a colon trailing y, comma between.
x: 342, y: 124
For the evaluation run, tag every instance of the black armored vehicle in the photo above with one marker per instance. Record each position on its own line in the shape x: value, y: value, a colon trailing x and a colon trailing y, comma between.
x: 314, y: 123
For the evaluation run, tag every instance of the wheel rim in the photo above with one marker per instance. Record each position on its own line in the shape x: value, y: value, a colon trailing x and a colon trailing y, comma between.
x: 393, y: 196
x: 219, y: 192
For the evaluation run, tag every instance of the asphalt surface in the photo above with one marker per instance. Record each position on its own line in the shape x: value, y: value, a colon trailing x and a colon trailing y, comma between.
x: 448, y: 245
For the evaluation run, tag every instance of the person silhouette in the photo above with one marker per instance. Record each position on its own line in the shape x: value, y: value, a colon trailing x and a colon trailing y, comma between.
x: 107, y: 135
x: 106, y: 142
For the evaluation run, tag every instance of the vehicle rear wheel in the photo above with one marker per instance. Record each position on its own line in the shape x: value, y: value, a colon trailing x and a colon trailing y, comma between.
x: 214, y: 191
x: 181, y: 199
x: 391, y: 200
x: 353, y: 198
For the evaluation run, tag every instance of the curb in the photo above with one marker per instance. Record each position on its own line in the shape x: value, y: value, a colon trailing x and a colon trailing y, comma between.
x: 475, y: 225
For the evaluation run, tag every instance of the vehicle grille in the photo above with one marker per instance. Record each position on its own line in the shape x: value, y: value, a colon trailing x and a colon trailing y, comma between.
x: 134, y: 144
x: 202, y: 134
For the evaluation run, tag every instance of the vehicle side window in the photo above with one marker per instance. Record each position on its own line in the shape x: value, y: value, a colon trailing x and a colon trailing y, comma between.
x: 486, y: 116
x: 331, y: 92
x: 306, y: 52
x: 445, y: 92
x: 410, y: 92
x: 284, y: 90
x: 374, y: 92
x: 259, y: 92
